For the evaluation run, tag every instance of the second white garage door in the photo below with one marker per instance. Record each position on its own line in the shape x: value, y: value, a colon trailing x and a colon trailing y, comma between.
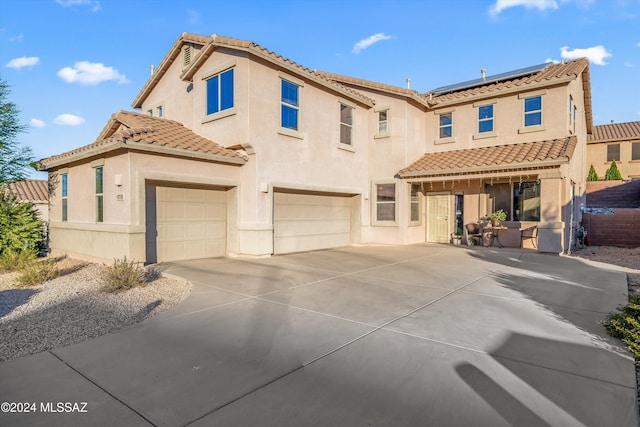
x: 191, y: 223
x: 304, y: 222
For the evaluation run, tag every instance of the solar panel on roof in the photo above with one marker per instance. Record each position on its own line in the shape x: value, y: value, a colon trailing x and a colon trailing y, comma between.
x: 490, y: 79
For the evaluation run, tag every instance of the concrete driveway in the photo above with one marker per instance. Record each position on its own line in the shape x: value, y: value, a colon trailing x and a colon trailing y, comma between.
x: 371, y: 336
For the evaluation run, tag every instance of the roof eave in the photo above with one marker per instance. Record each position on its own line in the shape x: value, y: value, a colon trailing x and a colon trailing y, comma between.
x: 484, y: 168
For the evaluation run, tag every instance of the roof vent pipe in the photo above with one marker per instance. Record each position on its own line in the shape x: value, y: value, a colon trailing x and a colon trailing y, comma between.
x: 408, y: 83
x: 152, y: 68
x: 484, y: 74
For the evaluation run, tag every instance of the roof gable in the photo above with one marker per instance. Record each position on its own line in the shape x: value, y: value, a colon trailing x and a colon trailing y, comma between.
x: 142, y: 132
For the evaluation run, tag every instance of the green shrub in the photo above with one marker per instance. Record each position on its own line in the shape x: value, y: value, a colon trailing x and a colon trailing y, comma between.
x: 37, y: 272
x: 20, y: 226
x: 626, y: 325
x: 16, y: 261
x: 613, y: 173
x: 593, y: 175
x: 122, y: 275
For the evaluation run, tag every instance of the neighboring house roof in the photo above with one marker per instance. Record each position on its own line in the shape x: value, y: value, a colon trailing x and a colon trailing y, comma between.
x: 29, y: 190
x: 142, y: 132
x: 553, y: 74
x: 394, y: 90
x: 215, y: 41
x: 527, y: 155
x: 615, y: 132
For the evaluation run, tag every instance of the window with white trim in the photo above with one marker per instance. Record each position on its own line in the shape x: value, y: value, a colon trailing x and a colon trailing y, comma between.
x: 383, y: 122
x: 346, y: 124
x: 533, y: 111
x: 485, y: 118
x: 65, y: 189
x: 446, y: 125
x: 220, y: 92
x: 386, y: 202
x: 415, y: 206
x: 99, y: 172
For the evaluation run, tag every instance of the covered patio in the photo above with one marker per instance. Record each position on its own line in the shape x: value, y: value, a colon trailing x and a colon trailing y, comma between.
x: 533, y: 183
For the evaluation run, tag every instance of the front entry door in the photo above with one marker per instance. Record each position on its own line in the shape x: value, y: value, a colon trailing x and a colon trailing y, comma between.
x: 438, y: 218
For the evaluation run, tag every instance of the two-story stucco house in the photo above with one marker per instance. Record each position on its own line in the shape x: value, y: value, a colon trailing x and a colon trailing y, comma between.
x: 239, y: 151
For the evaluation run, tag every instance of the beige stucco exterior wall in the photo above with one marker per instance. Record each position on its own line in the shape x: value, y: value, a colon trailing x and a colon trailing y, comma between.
x: 597, y: 156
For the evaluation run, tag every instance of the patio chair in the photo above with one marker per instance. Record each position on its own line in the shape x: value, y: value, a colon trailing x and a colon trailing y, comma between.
x: 472, y: 230
x: 529, y: 233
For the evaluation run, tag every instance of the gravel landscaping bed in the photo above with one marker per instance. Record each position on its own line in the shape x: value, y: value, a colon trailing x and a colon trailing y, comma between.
x: 73, y: 308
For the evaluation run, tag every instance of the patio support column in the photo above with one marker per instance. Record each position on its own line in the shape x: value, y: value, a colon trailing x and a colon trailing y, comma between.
x: 551, y: 226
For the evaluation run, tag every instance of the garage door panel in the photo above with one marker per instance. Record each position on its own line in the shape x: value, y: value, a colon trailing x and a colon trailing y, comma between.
x: 191, y: 223
x: 305, y: 222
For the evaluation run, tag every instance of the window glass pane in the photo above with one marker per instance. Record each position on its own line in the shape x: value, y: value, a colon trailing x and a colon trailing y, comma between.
x: 64, y: 209
x: 99, y: 181
x: 386, y: 193
x: 382, y: 127
x: 500, y: 197
x: 289, y: 93
x: 64, y: 185
x: 346, y: 114
x: 526, y: 201
x: 445, y: 119
x: 445, y: 132
x: 635, y: 151
x: 533, y: 119
x: 533, y: 104
x: 289, y: 117
x: 382, y: 116
x: 159, y: 111
x: 345, y: 134
x: 613, y: 152
x: 485, y: 112
x: 386, y: 212
x: 415, y: 202
x: 386, y: 202
x: 212, y: 95
x: 485, y: 126
x: 226, y: 87
x: 99, y: 209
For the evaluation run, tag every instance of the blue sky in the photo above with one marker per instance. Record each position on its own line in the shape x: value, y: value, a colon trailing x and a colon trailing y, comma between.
x: 73, y: 63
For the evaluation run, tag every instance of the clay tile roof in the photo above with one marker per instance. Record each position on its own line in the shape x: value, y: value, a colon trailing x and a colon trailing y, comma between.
x: 552, y: 72
x: 140, y: 131
x: 31, y: 190
x: 615, y: 132
x: 499, y: 156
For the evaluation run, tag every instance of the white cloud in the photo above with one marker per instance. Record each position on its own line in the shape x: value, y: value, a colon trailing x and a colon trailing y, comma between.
x: 365, y: 43
x: 95, y: 5
x: 25, y: 61
x: 551, y: 60
x: 628, y: 64
x: 37, y: 123
x: 68, y: 120
x: 17, y: 38
x: 90, y: 73
x: 596, y: 54
x: 501, y: 5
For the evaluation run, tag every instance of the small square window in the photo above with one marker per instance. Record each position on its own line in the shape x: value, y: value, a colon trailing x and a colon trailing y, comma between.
x: 533, y: 111
x: 446, y: 125
x: 346, y: 124
x: 613, y: 152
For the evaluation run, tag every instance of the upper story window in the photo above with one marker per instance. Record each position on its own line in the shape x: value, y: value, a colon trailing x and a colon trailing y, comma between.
x: 99, y: 194
x: 613, y: 152
x: 635, y: 151
x: 65, y: 188
x: 485, y: 118
x: 159, y: 111
x: 290, y: 105
x: 383, y: 122
x: 150, y: 112
x: 346, y: 124
x: 575, y: 117
x: 446, y: 125
x: 533, y: 111
x: 220, y: 92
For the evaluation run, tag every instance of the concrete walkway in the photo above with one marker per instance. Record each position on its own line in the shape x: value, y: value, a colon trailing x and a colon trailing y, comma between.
x: 383, y: 336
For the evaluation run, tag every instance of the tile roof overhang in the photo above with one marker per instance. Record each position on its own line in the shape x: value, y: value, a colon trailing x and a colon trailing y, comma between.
x: 553, y: 75
x: 216, y: 42
x: 507, y: 160
x: 615, y: 132
x: 134, y: 131
x: 32, y: 190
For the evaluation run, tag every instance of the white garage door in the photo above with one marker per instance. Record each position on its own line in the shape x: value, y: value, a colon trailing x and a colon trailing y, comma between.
x: 304, y: 222
x: 190, y: 223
